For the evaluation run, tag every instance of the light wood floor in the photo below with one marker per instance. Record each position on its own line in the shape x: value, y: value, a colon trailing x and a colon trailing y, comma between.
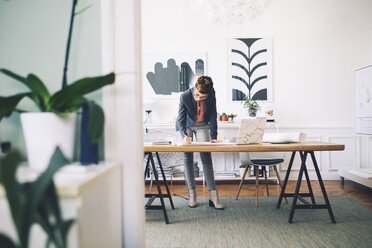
x: 357, y: 192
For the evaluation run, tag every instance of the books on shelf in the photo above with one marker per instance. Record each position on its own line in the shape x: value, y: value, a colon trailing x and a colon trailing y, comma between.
x: 269, y: 171
x: 224, y: 174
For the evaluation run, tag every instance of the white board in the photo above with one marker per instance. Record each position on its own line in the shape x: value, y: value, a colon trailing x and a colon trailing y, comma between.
x: 363, y: 100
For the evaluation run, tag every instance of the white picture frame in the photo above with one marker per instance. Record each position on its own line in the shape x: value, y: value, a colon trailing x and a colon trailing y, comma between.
x: 250, y: 65
x: 166, y: 72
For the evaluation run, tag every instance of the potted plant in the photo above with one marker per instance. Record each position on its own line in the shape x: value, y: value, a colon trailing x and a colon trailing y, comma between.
x: 57, y: 117
x: 252, y: 106
x: 34, y: 202
x: 55, y: 124
x: 232, y: 116
x: 224, y: 117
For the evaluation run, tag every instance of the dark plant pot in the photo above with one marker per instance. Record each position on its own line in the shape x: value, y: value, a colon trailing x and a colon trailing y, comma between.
x: 89, y: 151
x: 252, y: 112
x: 5, y: 146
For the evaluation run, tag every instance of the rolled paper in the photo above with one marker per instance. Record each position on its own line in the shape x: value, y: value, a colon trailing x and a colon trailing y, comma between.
x: 284, y: 137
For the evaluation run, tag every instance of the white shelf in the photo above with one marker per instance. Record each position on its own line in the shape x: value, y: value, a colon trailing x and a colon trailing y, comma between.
x: 90, y: 195
x: 360, y: 175
x: 219, y: 178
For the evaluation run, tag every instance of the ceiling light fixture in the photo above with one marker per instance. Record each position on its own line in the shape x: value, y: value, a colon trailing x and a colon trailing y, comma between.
x: 229, y: 12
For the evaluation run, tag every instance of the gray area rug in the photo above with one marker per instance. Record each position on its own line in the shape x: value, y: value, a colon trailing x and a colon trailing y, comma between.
x: 242, y: 224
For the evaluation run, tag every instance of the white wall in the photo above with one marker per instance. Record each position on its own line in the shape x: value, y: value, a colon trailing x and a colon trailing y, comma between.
x: 33, y: 40
x: 316, y: 46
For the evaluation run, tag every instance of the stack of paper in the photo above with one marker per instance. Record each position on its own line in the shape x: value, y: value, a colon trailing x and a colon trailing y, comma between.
x: 168, y: 171
x: 162, y: 142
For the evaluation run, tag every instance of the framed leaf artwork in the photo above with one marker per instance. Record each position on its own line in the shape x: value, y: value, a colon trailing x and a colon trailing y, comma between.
x: 250, y: 69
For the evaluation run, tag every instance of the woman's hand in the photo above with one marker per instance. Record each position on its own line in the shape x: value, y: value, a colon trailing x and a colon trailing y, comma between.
x: 215, y: 141
x: 187, y: 140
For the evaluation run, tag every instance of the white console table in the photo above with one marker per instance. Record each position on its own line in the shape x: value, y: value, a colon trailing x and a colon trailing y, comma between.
x: 361, y: 173
x: 89, y: 194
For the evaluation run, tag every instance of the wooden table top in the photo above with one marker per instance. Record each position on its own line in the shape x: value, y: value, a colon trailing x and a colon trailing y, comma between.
x: 264, y: 147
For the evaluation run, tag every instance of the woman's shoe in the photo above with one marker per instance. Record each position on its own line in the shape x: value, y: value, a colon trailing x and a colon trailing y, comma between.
x: 214, y: 201
x: 192, y: 198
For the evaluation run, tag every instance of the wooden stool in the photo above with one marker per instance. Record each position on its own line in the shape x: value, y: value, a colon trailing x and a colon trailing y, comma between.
x: 261, y: 162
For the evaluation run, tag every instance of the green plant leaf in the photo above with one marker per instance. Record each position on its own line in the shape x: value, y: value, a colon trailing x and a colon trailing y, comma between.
x: 38, y: 88
x: 67, y: 224
x: 96, y: 122
x: 48, y: 242
x: 83, y: 10
x: 16, y: 199
x: 73, y: 105
x: 6, y: 242
x: 35, y: 201
x: 45, y: 213
x: 42, y: 217
x: 41, y: 94
x: 55, y: 211
x: 8, y: 104
x: 32, y: 82
x: 64, y: 230
x: 78, y: 89
x: 37, y: 191
x: 14, y: 76
x: 49, y: 209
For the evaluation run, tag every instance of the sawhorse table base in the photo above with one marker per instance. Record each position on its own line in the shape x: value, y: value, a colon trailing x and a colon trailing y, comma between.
x: 160, y: 195
x: 299, y: 196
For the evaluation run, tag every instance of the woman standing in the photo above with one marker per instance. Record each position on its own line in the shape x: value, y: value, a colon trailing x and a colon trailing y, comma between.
x: 197, y: 119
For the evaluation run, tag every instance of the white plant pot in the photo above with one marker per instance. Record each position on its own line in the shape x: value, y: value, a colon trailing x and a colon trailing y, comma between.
x: 43, y: 132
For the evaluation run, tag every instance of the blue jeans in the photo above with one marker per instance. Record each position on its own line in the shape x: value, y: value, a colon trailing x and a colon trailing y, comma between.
x: 199, y: 132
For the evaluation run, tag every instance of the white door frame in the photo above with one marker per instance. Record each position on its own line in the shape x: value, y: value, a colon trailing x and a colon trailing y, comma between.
x: 122, y: 103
